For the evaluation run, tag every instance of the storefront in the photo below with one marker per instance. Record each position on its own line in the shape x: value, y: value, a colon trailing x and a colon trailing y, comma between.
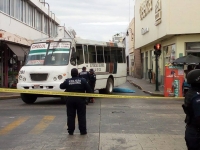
x: 166, y: 23
x: 13, y: 51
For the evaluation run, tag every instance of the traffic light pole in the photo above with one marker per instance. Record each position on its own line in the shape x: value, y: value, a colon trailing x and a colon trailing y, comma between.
x: 157, y: 88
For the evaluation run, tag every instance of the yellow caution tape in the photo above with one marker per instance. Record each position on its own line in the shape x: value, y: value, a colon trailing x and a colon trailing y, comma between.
x: 43, y: 92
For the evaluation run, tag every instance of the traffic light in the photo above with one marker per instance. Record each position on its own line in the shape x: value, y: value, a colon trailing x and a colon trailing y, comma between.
x: 157, y: 49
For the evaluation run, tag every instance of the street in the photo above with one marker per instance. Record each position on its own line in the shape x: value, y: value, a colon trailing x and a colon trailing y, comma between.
x: 112, y: 124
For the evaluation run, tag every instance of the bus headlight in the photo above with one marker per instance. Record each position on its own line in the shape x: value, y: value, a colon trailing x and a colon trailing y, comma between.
x: 20, y: 77
x: 54, y: 78
x: 60, y: 77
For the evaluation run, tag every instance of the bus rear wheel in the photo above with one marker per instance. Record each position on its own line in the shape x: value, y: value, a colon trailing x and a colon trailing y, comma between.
x: 109, y: 87
x: 28, y: 98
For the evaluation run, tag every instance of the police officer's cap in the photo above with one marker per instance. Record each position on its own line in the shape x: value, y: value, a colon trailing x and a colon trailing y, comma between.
x: 193, y: 77
x: 74, y: 72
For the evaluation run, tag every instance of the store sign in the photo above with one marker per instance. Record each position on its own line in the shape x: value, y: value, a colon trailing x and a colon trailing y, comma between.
x: 144, y: 30
x: 158, y: 13
x: 145, y: 8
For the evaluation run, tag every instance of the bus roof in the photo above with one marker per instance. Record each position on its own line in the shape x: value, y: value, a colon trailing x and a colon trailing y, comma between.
x: 100, y: 43
x: 81, y: 41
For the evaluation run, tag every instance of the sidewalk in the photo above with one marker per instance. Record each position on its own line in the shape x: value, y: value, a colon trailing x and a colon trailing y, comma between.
x: 146, y: 86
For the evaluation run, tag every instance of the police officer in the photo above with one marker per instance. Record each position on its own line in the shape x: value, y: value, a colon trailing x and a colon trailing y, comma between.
x: 86, y: 75
x: 191, y: 107
x: 92, y: 83
x: 76, y: 84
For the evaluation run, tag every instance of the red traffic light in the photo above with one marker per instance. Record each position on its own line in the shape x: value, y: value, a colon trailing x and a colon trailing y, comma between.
x: 157, y: 46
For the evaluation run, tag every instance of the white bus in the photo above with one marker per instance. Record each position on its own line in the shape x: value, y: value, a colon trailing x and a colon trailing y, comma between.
x: 49, y: 63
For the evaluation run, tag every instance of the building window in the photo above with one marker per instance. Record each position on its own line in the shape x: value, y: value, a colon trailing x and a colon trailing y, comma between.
x: 1, y: 5
x: 7, y: 6
x: 45, y: 25
x: 12, y: 8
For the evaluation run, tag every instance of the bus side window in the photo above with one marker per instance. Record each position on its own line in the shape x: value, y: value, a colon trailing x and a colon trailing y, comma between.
x: 107, y: 54
x: 99, y: 50
x: 119, y: 55
x: 92, y: 54
x: 124, y: 55
x: 72, y: 60
x: 79, y: 50
x: 113, y: 54
x: 86, y: 53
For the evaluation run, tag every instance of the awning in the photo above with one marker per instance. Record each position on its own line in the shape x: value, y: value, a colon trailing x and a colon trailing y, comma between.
x: 25, y: 49
x: 17, y: 50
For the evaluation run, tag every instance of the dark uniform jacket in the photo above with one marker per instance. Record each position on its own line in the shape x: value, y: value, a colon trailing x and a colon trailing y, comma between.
x: 92, y: 81
x: 85, y: 75
x: 76, y: 84
x: 192, y: 105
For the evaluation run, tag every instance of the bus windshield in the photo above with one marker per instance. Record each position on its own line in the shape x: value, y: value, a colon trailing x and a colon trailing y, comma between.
x: 57, y: 53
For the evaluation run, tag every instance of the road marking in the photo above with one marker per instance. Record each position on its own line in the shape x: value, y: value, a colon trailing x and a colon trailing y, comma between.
x: 13, y: 125
x: 42, y: 125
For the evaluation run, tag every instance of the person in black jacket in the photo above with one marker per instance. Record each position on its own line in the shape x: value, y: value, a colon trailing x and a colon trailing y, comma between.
x: 86, y: 75
x: 73, y: 104
x: 92, y: 83
x: 191, y: 108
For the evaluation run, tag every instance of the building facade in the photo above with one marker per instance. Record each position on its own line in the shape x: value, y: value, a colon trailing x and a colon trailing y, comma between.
x: 131, y: 47
x: 21, y: 22
x: 172, y: 23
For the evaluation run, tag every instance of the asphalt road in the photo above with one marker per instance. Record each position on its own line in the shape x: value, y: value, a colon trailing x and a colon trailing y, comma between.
x: 113, y: 124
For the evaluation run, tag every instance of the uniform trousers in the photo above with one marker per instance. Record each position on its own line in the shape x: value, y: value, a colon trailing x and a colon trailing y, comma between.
x: 76, y: 105
x: 192, y: 138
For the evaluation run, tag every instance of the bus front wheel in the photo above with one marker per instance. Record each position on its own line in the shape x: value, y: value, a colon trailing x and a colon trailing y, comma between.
x: 28, y: 98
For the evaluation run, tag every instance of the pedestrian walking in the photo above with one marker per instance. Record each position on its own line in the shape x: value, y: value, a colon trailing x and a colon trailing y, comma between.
x: 92, y: 83
x: 76, y: 104
x: 191, y: 108
x: 86, y: 75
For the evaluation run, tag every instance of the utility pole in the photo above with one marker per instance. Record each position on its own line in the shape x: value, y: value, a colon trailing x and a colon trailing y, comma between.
x: 157, y: 52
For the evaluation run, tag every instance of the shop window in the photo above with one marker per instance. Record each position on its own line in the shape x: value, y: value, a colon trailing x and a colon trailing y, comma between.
x: 193, y: 46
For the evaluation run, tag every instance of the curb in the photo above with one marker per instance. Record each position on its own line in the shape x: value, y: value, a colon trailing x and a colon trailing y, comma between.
x: 9, y: 97
x: 147, y: 92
